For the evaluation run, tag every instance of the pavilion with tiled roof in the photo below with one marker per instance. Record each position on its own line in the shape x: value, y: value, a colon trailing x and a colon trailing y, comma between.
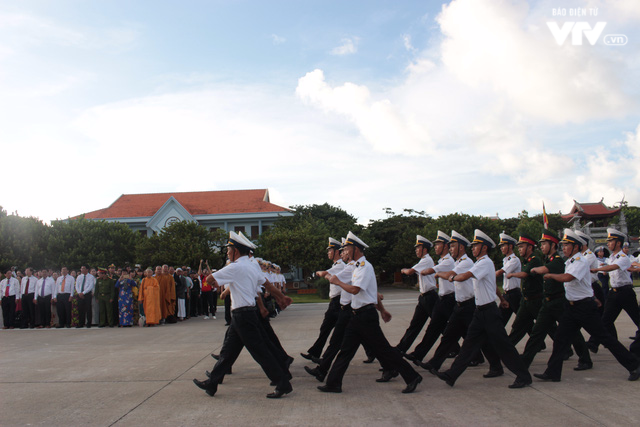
x: 595, y: 212
x: 249, y: 211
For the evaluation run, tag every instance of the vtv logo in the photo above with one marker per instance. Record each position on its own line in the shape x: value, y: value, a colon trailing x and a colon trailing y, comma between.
x: 577, y: 29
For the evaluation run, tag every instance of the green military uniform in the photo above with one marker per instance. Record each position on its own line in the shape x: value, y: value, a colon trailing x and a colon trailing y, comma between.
x: 531, y: 297
x: 105, y: 293
x: 114, y: 320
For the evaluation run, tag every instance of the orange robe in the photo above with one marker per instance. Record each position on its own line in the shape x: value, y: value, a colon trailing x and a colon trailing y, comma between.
x: 150, y: 295
x: 167, y: 295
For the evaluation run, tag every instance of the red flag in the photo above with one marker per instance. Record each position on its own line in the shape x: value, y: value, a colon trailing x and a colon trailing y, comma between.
x: 545, y: 220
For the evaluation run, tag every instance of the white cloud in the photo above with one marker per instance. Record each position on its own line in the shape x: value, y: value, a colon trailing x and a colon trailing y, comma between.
x: 348, y: 46
x: 406, y: 40
x: 276, y: 39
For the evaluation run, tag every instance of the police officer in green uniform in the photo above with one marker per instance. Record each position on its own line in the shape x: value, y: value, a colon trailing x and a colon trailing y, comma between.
x: 106, y: 294
x: 531, y: 290
x: 552, y: 305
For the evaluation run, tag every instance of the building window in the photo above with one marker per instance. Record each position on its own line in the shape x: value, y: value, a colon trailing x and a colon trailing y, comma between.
x: 265, y: 228
x: 239, y: 228
x: 255, y: 232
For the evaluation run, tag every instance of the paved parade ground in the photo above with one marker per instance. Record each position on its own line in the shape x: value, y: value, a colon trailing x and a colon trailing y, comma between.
x: 143, y: 376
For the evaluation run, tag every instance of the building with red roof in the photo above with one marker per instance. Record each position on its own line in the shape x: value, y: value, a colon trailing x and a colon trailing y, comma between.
x: 249, y: 211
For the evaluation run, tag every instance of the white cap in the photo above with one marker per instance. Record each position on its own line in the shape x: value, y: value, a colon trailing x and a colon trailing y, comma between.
x: 423, y: 241
x: 505, y: 239
x: 333, y: 244
x: 584, y: 236
x: 457, y: 237
x: 570, y: 236
x: 248, y: 241
x: 442, y: 237
x: 352, y: 239
x: 480, y: 237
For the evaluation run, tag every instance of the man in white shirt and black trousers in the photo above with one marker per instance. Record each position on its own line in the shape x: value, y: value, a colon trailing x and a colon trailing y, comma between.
x: 581, y: 312
x: 364, y: 326
x: 85, y: 284
x: 243, y: 280
x: 487, y: 319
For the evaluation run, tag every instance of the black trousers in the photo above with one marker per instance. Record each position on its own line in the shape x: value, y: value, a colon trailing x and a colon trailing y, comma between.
x: 423, y: 311
x: 247, y: 331
x: 584, y: 314
x: 486, y: 327
x: 280, y: 352
x: 85, y: 309
x: 335, y: 343
x: 28, y: 311
x: 618, y: 299
x: 44, y: 311
x: 550, y: 313
x: 526, y: 317
x: 439, y: 318
x: 63, y: 304
x: 207, y: 303
x: 328, y: 323
x: 227, y: 309
x: 456, y: 328
x: 194, y: 306
x: 364, y: 327
x: 9, y: 311
x: 513, y: 297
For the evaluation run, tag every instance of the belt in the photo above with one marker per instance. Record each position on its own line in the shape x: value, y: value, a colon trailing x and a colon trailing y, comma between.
x: 619, y: 288
x: 466, y: 302
x: 242, y: 309
x: 553, y: 297
x: 337, y: 297
x: 449, y: 295
x: 486, y: 306
x: 428, y: 292
x: 364, y: 308
x: 345, y: 307
x: 532, y: 297
x: 510, y: 291
x: 581, y: 301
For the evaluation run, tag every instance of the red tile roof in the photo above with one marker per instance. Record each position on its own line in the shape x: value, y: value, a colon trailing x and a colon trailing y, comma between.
x: 591, y: 211
x: 196, y: 203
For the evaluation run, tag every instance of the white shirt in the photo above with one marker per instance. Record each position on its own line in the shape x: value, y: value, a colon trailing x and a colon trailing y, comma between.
x: 243, y: 280
x: 620, y: 276
x: 464, y: 289
x: 446, y: 263
x: 592, y: 262
x: 69, y: 285
x: 335, y: 290
x: 49, y: 285
x: 364, y: 277
x: 345, y: 276
x: 29, y: 281
x: 89, y: 284
x: 580, y: 287
x: 484, y: 284
x: 428, y: 282
x: 511, y: 264
x: 14, y: 287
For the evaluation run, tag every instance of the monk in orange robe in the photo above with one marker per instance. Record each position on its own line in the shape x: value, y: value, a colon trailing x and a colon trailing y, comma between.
x: 167, y: 292
x: 150, y: 296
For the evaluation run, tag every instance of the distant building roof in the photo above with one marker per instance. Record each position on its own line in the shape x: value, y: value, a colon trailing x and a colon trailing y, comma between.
x: 196, y: 203
x: 590, y: 211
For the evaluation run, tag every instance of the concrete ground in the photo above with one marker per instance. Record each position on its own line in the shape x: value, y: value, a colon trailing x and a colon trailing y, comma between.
x: 143, y: 376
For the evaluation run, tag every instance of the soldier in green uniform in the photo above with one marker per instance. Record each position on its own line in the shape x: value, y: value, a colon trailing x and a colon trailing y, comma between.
x: 113, y: 275
x: 105, y: 294
x: 531, y: 290
x: 552, y: 306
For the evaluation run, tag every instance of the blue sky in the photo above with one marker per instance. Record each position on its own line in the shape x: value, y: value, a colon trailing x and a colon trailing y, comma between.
x: 461, y: 106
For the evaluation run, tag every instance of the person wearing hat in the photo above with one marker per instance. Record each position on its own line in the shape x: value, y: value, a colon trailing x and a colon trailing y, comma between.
x: 511, y: 286
x: 622, y: 296
x: 333, y: 310
x: 105, y: 294
x: 428, y: 293
x: 581, y: 312
x: 446, y: 301
x: 553, y: 304
x: 531, y: 290
x: 364, y: 326
x: 114, y: 276
x: 487, y: 320
x: 602, y: 254
x: 592, y: 262
x: 245, y: 330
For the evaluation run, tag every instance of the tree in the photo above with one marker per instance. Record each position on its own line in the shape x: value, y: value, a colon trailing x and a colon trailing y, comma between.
x: 23, y: 241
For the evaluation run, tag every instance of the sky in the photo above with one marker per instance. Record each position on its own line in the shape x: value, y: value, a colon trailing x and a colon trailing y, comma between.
x: 478, y: 106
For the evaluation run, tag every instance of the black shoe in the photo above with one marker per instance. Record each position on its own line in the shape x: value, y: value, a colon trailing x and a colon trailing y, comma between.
x: 59, y: 327
x: 277, y: 394
x: 593, y: 347
x: 518, y: 383
x: 316, y: 373
x: 429, y: 367
x: 634, y: 375
x: 387, y: 376
x: 330, y: 389
x: 474, y: 363
x: 568, y: 354
x: 446, y: 378
x: 316, y: 360
x: 206, y: 386
x: 411, y: 387
x: 208, y: 374
x: 307, y: 356
x: 493, y: 374
x: 215, y: 356
x: 583, y: 366
x: 410, y: 356
x: 370, y: 359
x: 77, y: 327
x: 546, y: 377
x: 227, y: 324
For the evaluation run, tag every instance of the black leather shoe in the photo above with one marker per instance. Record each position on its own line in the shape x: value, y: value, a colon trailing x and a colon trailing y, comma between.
x: 369, y: 359
x: 546, y: 377
x: 206, y: 386
x: 215, y: 356
x: 330, y: 389
x: 474, y: 363
x: 583, y: 366
x: 277, y: 394
x: 593, y: 347
x: 410, y: 356
x: 518, y: 383
x: 493, y: 374
x: 429, y: 367
x: 387, y: 376
x: 411, y: 387
x: 634, y: 375
x: 316, y: 373
x: 446, y: 378
x: 306, y: 356
x: 316, y: 360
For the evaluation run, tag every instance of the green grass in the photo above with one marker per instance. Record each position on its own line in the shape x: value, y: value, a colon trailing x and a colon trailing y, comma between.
x: 307, y: 298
